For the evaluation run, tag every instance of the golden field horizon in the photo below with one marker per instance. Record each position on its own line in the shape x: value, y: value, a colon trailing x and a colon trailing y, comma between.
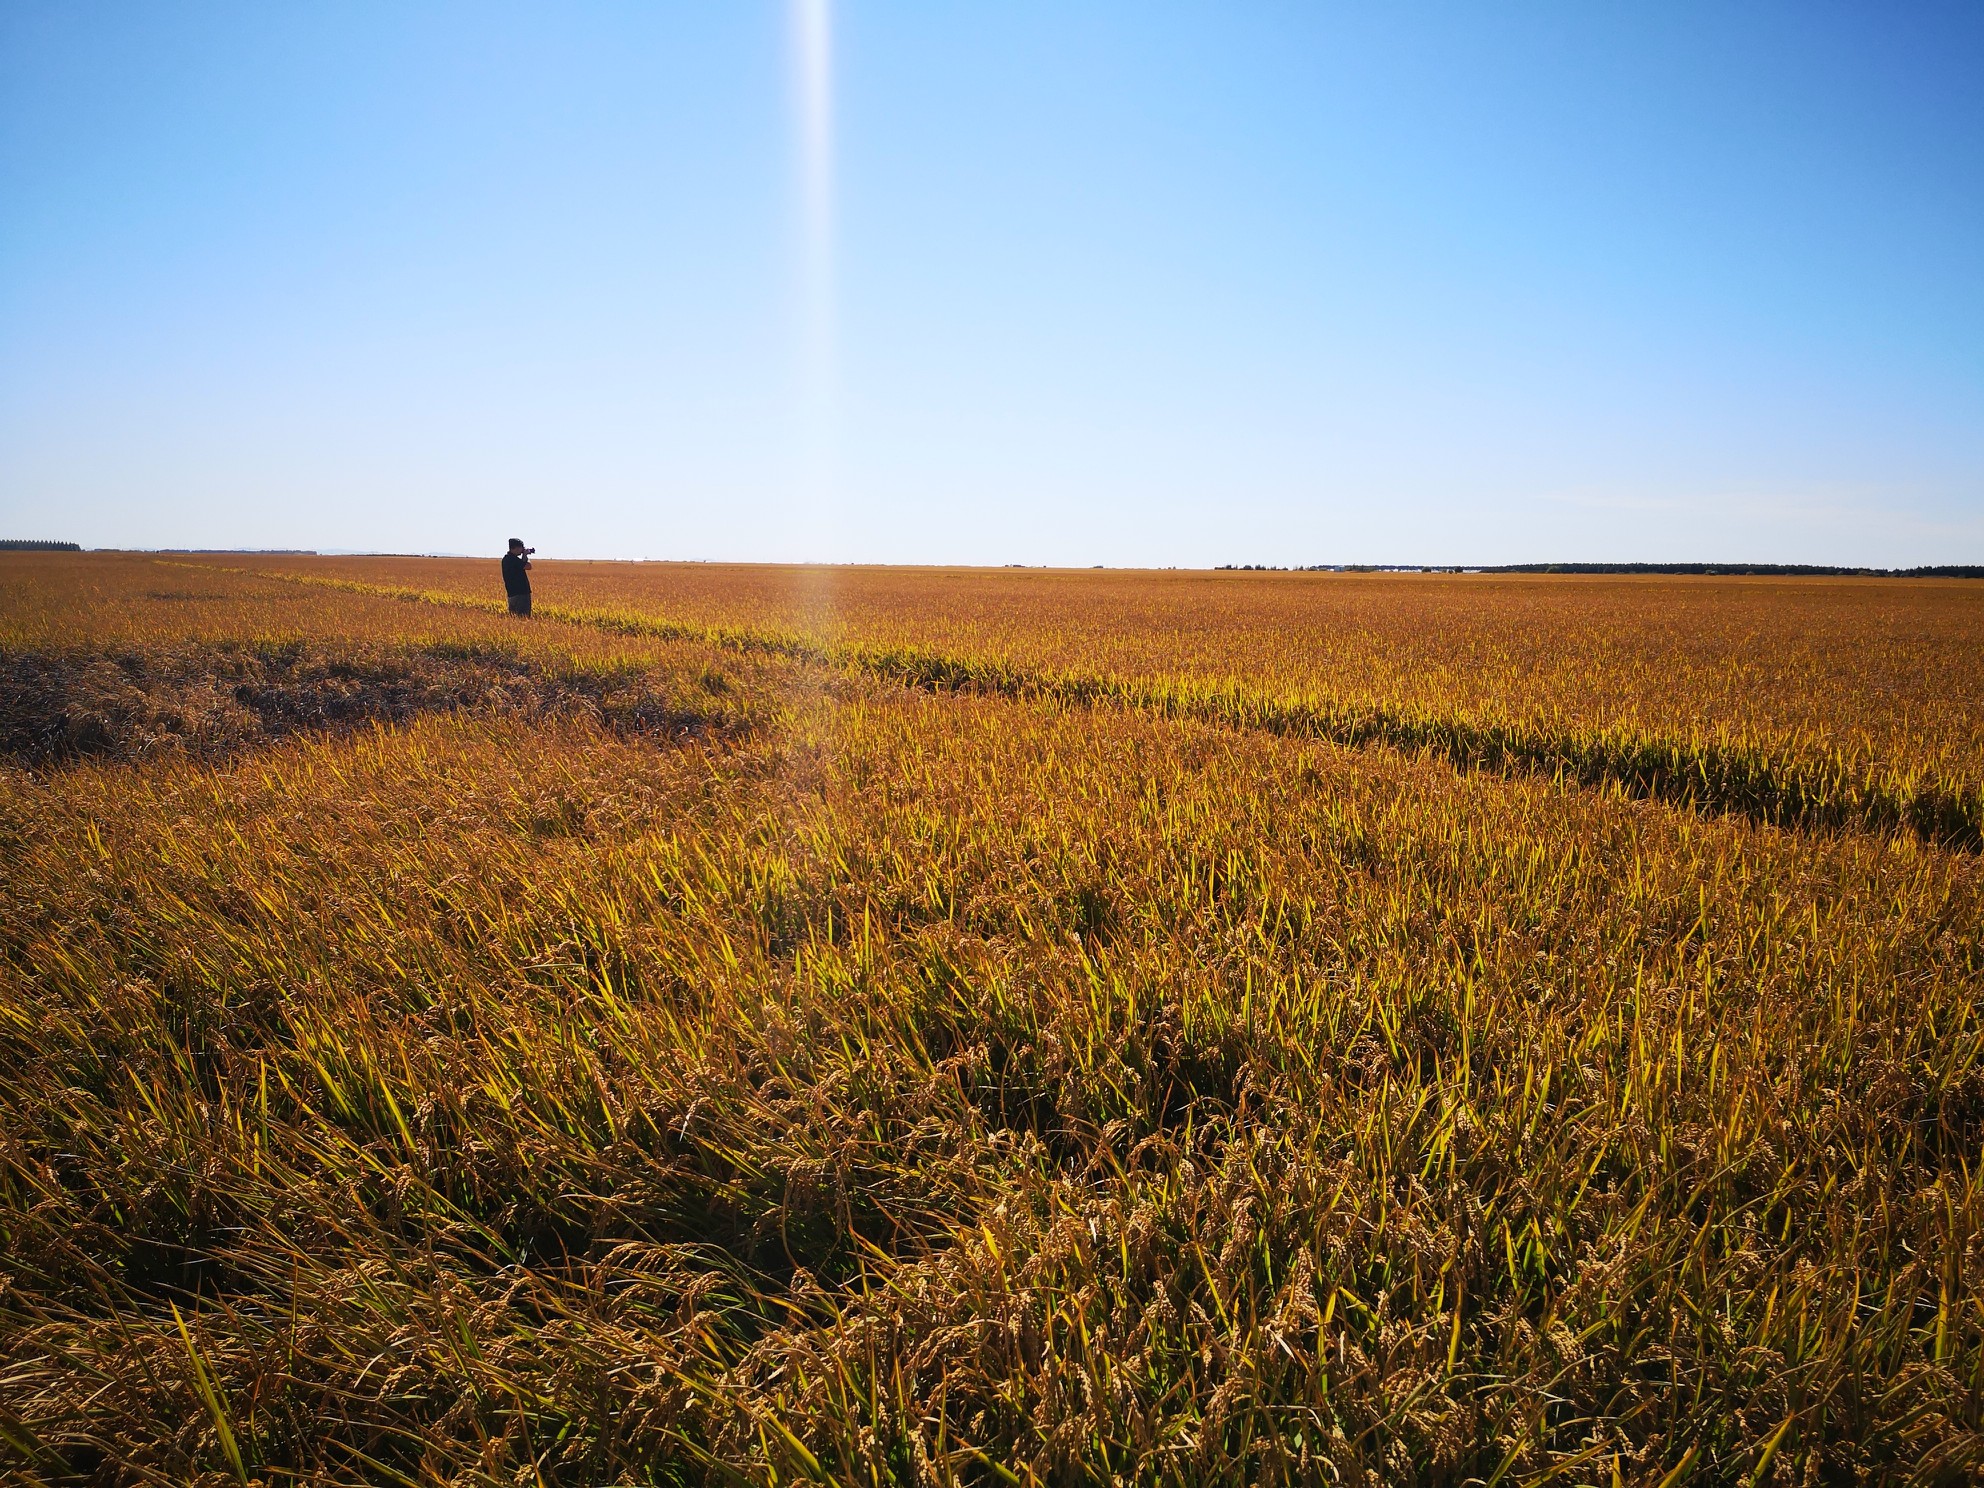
x: 1013, y: 1026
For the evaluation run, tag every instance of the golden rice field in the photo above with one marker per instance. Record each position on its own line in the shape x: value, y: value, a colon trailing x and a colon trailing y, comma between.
x: 894, y: 1026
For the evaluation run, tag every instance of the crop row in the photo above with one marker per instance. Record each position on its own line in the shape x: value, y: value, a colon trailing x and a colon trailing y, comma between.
x: 1799, y: 791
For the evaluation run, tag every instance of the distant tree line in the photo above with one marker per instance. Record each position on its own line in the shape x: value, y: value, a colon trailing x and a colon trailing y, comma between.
x: 29, y: 545
x: 1731, y: 570
x: 1816, y: 570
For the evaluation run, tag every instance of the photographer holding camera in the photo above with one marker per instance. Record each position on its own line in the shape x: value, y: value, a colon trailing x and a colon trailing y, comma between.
x: 516, y: 577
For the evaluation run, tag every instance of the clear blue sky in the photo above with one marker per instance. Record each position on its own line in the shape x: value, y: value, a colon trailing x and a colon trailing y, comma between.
x: 1111, y: 283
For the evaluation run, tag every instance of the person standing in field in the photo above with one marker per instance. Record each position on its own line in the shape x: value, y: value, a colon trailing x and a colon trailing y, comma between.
x: 516, y: 577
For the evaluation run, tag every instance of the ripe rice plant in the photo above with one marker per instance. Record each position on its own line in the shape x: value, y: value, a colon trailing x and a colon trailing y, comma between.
x: 884, y: 1060
x: 1780, y: 772
x: 1879, y: 675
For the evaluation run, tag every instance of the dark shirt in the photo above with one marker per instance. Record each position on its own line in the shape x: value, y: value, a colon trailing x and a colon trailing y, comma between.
x: 516, y: 573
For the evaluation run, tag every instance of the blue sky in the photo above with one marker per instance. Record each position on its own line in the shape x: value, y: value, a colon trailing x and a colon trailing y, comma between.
x: 1110, y: 283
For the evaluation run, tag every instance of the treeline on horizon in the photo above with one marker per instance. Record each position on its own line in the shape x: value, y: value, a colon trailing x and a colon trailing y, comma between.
x: 1730, y: 570
x: 29, y: 545
x: 1818, y: 570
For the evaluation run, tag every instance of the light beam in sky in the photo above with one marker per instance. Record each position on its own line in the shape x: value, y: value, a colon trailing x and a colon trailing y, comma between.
x: 812, y: 43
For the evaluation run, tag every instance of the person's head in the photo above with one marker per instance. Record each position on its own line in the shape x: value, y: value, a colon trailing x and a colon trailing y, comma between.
x: 516, y: 545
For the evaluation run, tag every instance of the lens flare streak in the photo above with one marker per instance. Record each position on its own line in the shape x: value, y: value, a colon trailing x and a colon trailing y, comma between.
x: 812, y: 47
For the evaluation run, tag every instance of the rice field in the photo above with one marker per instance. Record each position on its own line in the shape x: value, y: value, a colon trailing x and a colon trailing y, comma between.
x: 897, y: 1026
